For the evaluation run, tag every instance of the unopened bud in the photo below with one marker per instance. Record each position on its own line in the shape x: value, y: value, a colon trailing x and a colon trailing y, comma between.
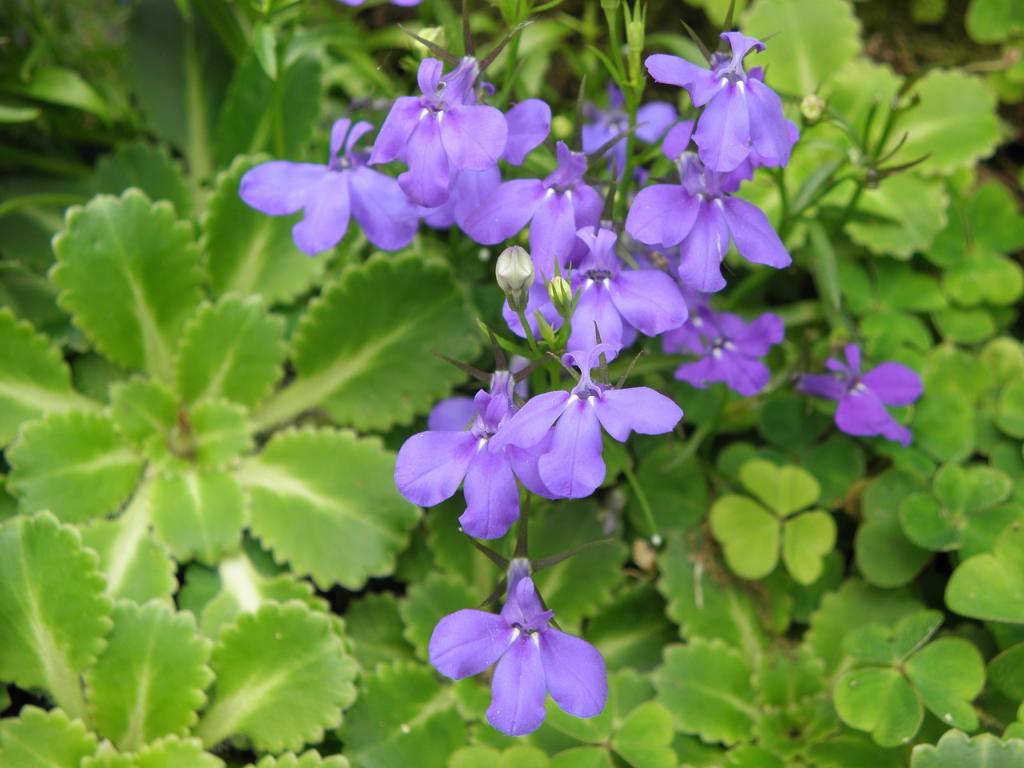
x: 561, y: 295
x: 812, y: 107
x: 514, y: 271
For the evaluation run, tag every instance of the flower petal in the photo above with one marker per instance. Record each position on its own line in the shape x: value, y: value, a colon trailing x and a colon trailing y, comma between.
x: 529, y: 123
x: 505, y: 211
x: 673, y: 70
x: 860, y: 413
x: 385, y: 214
x: 426, y: 181
x: 771, y: 134
x: 649, y: 300
x: 574, y: 467
x: 636, y: 409
x: 531, y: 423
x: 430, y: 465
x: 326, y: 215
x: 575, y: 673
x: 595, y: 308
x: 723, y: 131
x: 701, y: 253
x: 755, y: 338
x: 753, y: 234
x: 279, y: 188
x: 492, y: 496
x: 524, y: 464
x: 822, y: 385
x: 467, y: 642
x: 662, y: 214
x: 474, y: 136
x: 453, y: 414
x: 653, y: 119
x: 518, y: 689
x: 552, y: 233
x: 397, y: 128
x: 893, y: 383
x: 429, y: 75
x: 523, y: 607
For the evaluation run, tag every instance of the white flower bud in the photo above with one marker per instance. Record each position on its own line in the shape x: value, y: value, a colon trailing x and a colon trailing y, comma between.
x: 514, y: 271
x: 812, y: 107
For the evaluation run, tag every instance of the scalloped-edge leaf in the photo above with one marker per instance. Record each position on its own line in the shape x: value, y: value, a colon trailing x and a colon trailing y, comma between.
x: 143, y: 410
x: 34, y: 379
x: 282, y: 677
x: 324, y: 501
x: 73, y: 464
x: 136, y: 566
x: 310, y: 759
x: 168, y: 752
x: 364, y: 350
x: 150, y: 680
x: 956, y: 750
x: 247, y: 252
x: 199, y: 515
x: 148, y: 167
x: 53, y: 613
x: 233, y: 349
x: 39, y: 739
x: 128, y: 273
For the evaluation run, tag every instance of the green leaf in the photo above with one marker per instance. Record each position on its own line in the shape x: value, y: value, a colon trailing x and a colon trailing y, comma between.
x: 966, y: 326
x: 943, y: 427
x: 144, y: 411
x: 73, y: 464
x: 706, y: 686
x: 403, y: 717
x: 374, y: 626
x: 750, y: 535
x: 33, y: 377
x: 168, y: 752
x: 836, y: 464
x: 582, y: 757
x: 884, y: 554
x: 983, y: 277
x: 881, y: 702
x: 282, y: 677
x: 247, y: 252
x: 900, y: 217
x: 198, y: 514
x: 66, y: 88
x: 954, y: 123
x: 38, y: 739
x: 991, y: 586
x: 136, y: 566
x: 956, y: 750
x: 991, y: 21
x: 1010, y: 409
x: 1006, y: 672
x: 233, y: 349
x: 325, y: 502
x: 784, y: 489
x: 387, y: 371
x: 948, y: 674
x: 219, y: 433
x: 427, y: 602
x: 632, y: 629
x: 645, y: 737
x: 55, y: 613
x: 879, y: 644
x: 149, y: 680
x: 148, y: 167
x: 150, y: 284
x: 310, y: 759
x: 796, y: 62
x: 806, y: 541
x: 488, y: 757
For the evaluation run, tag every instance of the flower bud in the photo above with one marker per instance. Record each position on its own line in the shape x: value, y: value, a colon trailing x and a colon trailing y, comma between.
x: 561, y: 295
x: 514, y: 271
x: 812, y: 107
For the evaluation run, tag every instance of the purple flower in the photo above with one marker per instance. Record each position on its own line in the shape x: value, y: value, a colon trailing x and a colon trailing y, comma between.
x: 863, y: 397
x: 330, y: 194
x: 455, y: 414
x: 558, y: 434
x: 729, y: 349
x: 432, y: 465
x: 652, y: 119
x: 558, y: 206
x: 702, y: 216
x: 743, y: 117
x: 533, y: 659
x: 442, y: 130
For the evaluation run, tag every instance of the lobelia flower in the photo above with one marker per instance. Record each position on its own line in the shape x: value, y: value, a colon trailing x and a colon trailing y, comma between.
x: 330, y: 194
x: 454, y: 414
x: 432, y: 465
x: 557, y: 206
x: 558, y: 434
x: 729, y: 349
x: 533, y: 659
x: 701, y: 216
x: 863, y: 397
x: 652, y: 119
x: 442, y: 131
x: 615, y: 299
x: 742, y: 116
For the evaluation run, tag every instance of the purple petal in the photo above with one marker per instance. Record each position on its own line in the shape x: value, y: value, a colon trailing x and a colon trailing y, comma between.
x: 701, y: 253
x: 649, y: 300
x: 380, y: 206
x: 575, y: 673
x: 452, y: 415
x: 529, y: 123
x: 587, y: 204
x: 822, y: 385
x: 860, y: 413
x: 359, y: 130
x: 426, y: 181
x: 518, y: 689
x: 505, y: 211
x: 531, y: 423
x: 524, y: 464
x: 893, y: 383
x: 595, y: 136
x: 677, y: 139
x: 595, y: 307
x: 574, y: 467
x: 430, y: 465
x: 673, y: 70
x: 744, y: 375
x: 326, y: 215
x: 653, y: 119
x: 552, y: 233
x: 853, y: 361
x: 279, y: 188
x: 662, y: 214
x: 723, y: 131
x: 398, y: 127
x: 467, y: 642
x: 754, y: 236
x: 636, y: 409
x: 492, y: 496
x: 473, y: 136
x: 429, y: 75
x: 338, y: 131
x: 741, y: 44
x: 755, y: 338
x: 771, y: 134
x: 524, y: 608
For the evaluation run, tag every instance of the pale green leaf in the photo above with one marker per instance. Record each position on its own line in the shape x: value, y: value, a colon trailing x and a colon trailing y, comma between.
x: 144, y: 410
x: 310, y: 759
x: 64, y: 87
x: 784, y: 489
x: 807, y: 538
x: 219, y: 433
x: 900, y: 217
x: 881, y: 702
x: 150, y: 285
x: 73, y: 464
x: 233, y: 349
x: 956, y: 750
x: 168, y: 752
x: 38, y: 739
x: 364, y: 351
x: 749, y: 534
x: 325, y: 502
x: 149, y: 680
x: 198, y: 514
x: 991, y: 586
x: 645, y: 737
x: 137, y: 567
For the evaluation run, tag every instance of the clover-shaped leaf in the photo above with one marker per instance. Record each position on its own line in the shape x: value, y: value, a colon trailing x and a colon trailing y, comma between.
x: 282, y: 677
x: 784, y: 490
x: 750, y: 535
x: 1009, y: 415
x: 879, y: 700
x: 990, y: 586
x: 149, y: 680
x: 884, y: 554
x: 39, y: 739
x: 956, y: 750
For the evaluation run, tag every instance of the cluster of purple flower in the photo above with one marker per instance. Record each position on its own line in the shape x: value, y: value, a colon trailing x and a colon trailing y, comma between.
x: 552, y: 444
